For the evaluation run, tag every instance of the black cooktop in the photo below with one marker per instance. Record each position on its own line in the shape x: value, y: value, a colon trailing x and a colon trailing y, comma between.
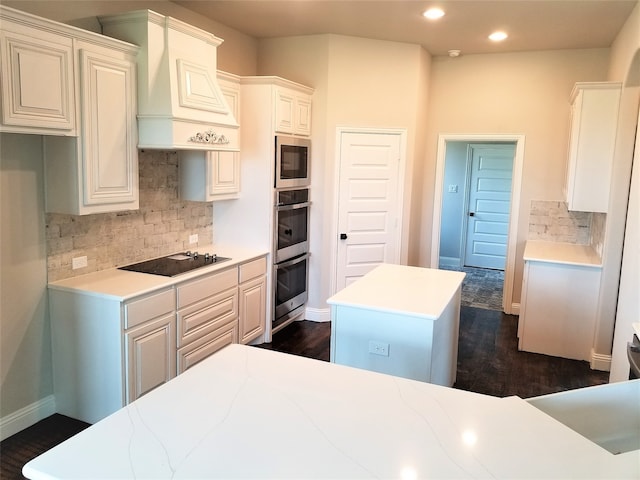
x: 175, y: 264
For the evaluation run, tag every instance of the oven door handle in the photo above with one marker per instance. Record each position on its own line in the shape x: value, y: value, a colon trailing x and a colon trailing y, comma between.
x: 281, y: 207
x: 293, y: 261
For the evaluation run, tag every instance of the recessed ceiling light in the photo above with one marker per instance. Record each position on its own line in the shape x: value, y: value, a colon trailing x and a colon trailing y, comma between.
x: 434, y: 13
x: 498, y: 36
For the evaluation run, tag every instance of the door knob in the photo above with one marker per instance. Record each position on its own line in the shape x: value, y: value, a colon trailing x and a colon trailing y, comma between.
x: 343, y: 236
x: 472, y: 214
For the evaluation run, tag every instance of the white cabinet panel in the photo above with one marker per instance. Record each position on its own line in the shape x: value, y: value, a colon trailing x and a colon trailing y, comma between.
x: 292, y: 112
x: 109, y: 150
x: 150, y: 356
x: 558, y: 309
x: 594, y: 120
x: 37, y: 79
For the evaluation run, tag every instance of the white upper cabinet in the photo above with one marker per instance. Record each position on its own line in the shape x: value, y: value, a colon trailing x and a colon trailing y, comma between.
x: 594, y: 120
x: 213, y: 175
x: 36, y: 77
x: 97, y: 172
x: 293, y: 112
x: 78, y: 89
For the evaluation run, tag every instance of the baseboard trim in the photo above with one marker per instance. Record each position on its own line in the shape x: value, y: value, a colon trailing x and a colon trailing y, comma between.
x: 450, y: 262
x: 27, y: 416
x: 317, y: 314
x: 600, y: 362
x: 515, y: 309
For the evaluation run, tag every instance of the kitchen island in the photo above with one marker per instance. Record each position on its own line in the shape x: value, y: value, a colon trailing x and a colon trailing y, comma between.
x: 247, y: 412
x: 399, y: 320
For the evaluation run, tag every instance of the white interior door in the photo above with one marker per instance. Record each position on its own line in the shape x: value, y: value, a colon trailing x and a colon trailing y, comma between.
x: 489, y: 206
x: 369, y: 204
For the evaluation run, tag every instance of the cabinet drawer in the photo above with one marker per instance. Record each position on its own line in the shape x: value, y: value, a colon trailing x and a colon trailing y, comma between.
x: 147, y: 308
x: 253, y: 269
x: 205, y: 316
x: 199, y: 350
x: 202, y: 288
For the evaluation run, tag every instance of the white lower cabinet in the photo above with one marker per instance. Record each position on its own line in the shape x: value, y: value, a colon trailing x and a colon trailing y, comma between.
x: 253, y: 297
x: 558, y: 309
x: 108, y: 352
x: 150, y: 356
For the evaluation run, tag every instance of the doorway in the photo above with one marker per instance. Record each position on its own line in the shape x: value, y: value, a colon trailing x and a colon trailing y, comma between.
x: 452, y: 221
x: 370, y: 201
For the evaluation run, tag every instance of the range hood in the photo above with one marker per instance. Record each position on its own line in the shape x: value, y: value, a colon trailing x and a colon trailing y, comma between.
x: 180, y: 104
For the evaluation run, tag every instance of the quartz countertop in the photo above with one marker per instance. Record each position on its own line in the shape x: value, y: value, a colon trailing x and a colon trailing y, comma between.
x: 563, y: 253
x: 123, y: 284
x: 247, y: 412
x: 413, y: 291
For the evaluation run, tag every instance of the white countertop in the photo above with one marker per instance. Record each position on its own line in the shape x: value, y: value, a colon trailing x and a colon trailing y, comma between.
x: 247, y: 412
x: 414, y: 291
x: 564, y: 253
x: 123, y: 284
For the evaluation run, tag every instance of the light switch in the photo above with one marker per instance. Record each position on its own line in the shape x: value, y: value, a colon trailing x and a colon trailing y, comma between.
x: 453, y: 188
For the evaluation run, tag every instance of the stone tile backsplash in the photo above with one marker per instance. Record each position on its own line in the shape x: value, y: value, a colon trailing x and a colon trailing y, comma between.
x: 551, y: 221
x: 161, y: 226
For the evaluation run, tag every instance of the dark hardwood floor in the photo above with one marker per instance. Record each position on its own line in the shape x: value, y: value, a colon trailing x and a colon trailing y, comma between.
x: 488, y: 362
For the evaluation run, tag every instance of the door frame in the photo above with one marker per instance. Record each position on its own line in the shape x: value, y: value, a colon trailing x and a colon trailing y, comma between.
x: 516, y: 187
x: 402, y: 189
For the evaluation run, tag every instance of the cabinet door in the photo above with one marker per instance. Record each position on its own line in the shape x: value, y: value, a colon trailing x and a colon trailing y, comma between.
x: 284, y: 111
x: 253, y: 298
x: 150, y: 356
x: 223, y: 174
x: 37, y: 79
x: 293, y: 112
x: 303, y: 116
x: 110, y: 163
x: 594, y: 119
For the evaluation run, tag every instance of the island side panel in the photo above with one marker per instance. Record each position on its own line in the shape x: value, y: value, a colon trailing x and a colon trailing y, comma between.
x: 87, y: 355
x: 444, y: 357
x: 407, y: 341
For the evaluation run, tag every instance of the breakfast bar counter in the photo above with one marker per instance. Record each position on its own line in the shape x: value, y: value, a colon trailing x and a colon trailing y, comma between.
x: 247, y: 412
x: 399, y: 320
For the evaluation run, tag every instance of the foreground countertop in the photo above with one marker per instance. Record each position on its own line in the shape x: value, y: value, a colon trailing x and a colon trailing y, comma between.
x: 247, y: 412
x: 561, y: 253
x: 414, y: 291
x: 123, y: 284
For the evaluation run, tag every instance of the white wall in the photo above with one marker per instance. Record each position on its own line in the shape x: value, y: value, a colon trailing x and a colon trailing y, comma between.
x: 625, y: 67
x: 25, y: 340
x: 515, y: 93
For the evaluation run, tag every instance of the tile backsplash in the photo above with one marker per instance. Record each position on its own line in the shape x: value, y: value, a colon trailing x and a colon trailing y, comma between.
x: 161, y: 226
x: 552, y: 221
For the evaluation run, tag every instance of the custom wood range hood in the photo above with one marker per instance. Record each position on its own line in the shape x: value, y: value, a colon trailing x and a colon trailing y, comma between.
x: 180, y: 104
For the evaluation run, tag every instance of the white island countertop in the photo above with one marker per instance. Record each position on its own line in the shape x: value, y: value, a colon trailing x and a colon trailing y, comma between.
x: 123, y: 284
x: 412, y: 291
x: 562, y: 253
x: 247, y: 412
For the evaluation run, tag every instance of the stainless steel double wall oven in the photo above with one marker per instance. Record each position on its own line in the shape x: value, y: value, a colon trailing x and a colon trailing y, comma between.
x: 291, y: 229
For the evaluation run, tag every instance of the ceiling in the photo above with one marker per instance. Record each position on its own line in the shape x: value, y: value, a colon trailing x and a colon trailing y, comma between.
x: 531, y: 24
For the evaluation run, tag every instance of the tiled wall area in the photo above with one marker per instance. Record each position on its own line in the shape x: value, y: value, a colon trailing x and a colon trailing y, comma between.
x: 551, y: 221
x: 161, y: 226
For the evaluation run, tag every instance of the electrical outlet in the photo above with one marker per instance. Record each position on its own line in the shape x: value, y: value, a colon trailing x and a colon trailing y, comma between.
x: 379, y: 348
x: 453, y: 188
x: 193, y: 238
x: 78, y: 262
